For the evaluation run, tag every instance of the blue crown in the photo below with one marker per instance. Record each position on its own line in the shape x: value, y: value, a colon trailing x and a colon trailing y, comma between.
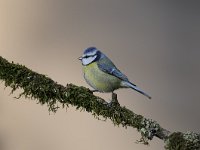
x: 90, y: 49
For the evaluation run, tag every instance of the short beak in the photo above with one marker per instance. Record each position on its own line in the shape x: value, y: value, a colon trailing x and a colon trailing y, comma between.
x: 80, y: 58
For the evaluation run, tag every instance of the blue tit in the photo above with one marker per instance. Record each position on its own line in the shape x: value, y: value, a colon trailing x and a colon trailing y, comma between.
x: 102, y: 75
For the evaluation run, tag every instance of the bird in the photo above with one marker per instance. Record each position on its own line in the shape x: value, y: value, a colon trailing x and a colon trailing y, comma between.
x: 102, y: 75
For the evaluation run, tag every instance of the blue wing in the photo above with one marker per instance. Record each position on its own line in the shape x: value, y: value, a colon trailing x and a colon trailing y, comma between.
x: 107, y: 66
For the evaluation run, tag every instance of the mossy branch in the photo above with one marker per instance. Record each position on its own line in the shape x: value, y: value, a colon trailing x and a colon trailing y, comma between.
x: 46, y: 91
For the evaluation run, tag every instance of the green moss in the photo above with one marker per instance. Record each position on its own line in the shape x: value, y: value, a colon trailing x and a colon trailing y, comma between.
x: 45, y: 91
x: 183, y: 141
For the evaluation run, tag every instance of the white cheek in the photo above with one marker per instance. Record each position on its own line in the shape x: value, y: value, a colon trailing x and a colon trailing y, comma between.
x: 88, y: 60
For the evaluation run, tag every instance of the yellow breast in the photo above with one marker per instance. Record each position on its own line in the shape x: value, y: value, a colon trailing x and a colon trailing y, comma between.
x: 100, y: 80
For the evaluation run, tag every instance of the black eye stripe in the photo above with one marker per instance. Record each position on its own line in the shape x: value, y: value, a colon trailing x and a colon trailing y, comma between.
x: 86, y: 56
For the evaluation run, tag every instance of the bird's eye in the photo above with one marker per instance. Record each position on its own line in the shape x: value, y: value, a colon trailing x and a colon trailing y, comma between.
x: 87, y: 56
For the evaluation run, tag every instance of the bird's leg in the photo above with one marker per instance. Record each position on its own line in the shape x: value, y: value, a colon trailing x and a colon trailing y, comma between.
x: 114, y: 100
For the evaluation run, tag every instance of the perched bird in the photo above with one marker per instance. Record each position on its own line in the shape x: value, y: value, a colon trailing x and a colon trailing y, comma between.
x: 102, y: 75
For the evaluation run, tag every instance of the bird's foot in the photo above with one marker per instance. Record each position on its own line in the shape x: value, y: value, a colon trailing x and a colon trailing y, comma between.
x: 114, y: 101
x: 94, y: 91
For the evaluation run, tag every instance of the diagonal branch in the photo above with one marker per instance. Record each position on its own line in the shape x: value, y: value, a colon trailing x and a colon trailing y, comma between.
x: 46, y: 91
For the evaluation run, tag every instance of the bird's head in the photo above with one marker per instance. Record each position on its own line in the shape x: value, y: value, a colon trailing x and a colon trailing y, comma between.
x: 90, y: 55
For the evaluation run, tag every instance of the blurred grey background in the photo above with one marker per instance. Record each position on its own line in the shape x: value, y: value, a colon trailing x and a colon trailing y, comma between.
x: 155, y: 43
